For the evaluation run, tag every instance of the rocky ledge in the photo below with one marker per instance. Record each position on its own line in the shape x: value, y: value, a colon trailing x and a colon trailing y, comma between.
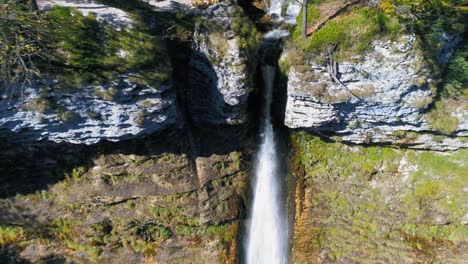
x: 113, y: 112
x: 132, y: 103
x: 380, y: 97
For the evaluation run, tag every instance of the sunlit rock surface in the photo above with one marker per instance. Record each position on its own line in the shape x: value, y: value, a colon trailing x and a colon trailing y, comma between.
x: 386, y: 90
x: 114, y: 112
x: 221, y: 74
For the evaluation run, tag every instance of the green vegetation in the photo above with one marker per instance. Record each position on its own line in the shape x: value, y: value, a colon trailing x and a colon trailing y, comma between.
x: 440, y: 118
x: 319, y: 158
x: 438, y: 185
x: 352, y: 32
x: 457, y: 74
x: 368, y: 203
x: 313, y: 14
x: 454, y: 93
x: 97, y: 52
x: 77, y: 49
x: 23, y: 40
x: 174, y: 215
x: 249, y: 37
x: 236, y: 159
x: 429, y: 18
x: 10, y: 235
x: 172, y: 26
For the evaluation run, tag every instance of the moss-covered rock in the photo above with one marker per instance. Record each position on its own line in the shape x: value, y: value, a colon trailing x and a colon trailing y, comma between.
x: 99, y: 79
x: 370, y: 75
x: 138, y: 201
x: 377, y: 204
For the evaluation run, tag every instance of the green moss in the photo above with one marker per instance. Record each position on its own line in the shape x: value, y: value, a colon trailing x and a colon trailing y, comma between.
x: 359, y: 206
x: 438, y: 183
x: 319, y: 158
x: 351, y: 32
x: 10, y: 235
x: 174, y: 216
x: 440, y: 118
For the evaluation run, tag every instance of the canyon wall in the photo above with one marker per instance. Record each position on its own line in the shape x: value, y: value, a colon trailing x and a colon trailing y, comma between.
x: 147, y: 158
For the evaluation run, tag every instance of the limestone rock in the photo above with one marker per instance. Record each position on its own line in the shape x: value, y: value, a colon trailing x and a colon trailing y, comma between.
x: 120, y: 109
x: 221, y: 78
x: 114, y: 112
x: 378, y: 96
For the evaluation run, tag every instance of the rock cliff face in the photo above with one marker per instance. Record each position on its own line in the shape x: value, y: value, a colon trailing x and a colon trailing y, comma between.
x: 164, y: 191
x: 141, y: 201
x: 219, y: 85
x: 359, y: 204
x: 173, y: 185
x: 114, y: 112
x: 221, y: 71
x: 372, y: 98
x: 122, y: 108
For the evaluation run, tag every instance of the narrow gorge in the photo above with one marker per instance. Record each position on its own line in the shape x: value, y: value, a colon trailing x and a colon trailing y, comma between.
x: 268, y: 228
x: 247, y: 131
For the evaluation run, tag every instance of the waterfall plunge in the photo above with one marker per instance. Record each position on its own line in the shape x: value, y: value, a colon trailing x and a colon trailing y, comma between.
x: 267, y: 233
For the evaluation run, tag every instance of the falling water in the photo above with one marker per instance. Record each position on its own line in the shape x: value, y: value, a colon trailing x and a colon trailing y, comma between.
x: 275, y: 7
x: 267, y: 233
x: 286, y: 10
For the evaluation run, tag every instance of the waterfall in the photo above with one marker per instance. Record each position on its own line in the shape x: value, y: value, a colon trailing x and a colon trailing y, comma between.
x: 267, y: 234
x: 286, y: 10
x: 275, y: 7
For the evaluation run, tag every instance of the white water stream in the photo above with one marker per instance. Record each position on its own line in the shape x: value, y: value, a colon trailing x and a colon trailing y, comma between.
x: 268, y: 233
x: 286, y: 10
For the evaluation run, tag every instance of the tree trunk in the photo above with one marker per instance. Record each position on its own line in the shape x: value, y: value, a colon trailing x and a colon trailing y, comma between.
x: 304, y: 19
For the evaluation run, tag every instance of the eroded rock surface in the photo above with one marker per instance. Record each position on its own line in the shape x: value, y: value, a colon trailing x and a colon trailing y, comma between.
x: 373, y: 98
x: 221, y: 72
x: 146, y: 201
x: 114, y: 112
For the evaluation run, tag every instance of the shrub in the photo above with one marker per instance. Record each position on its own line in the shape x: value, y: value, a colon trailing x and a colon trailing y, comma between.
x: 91, y: 50
x: 22, y: 43
x: 249, y: 37
x: 457, y: 73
